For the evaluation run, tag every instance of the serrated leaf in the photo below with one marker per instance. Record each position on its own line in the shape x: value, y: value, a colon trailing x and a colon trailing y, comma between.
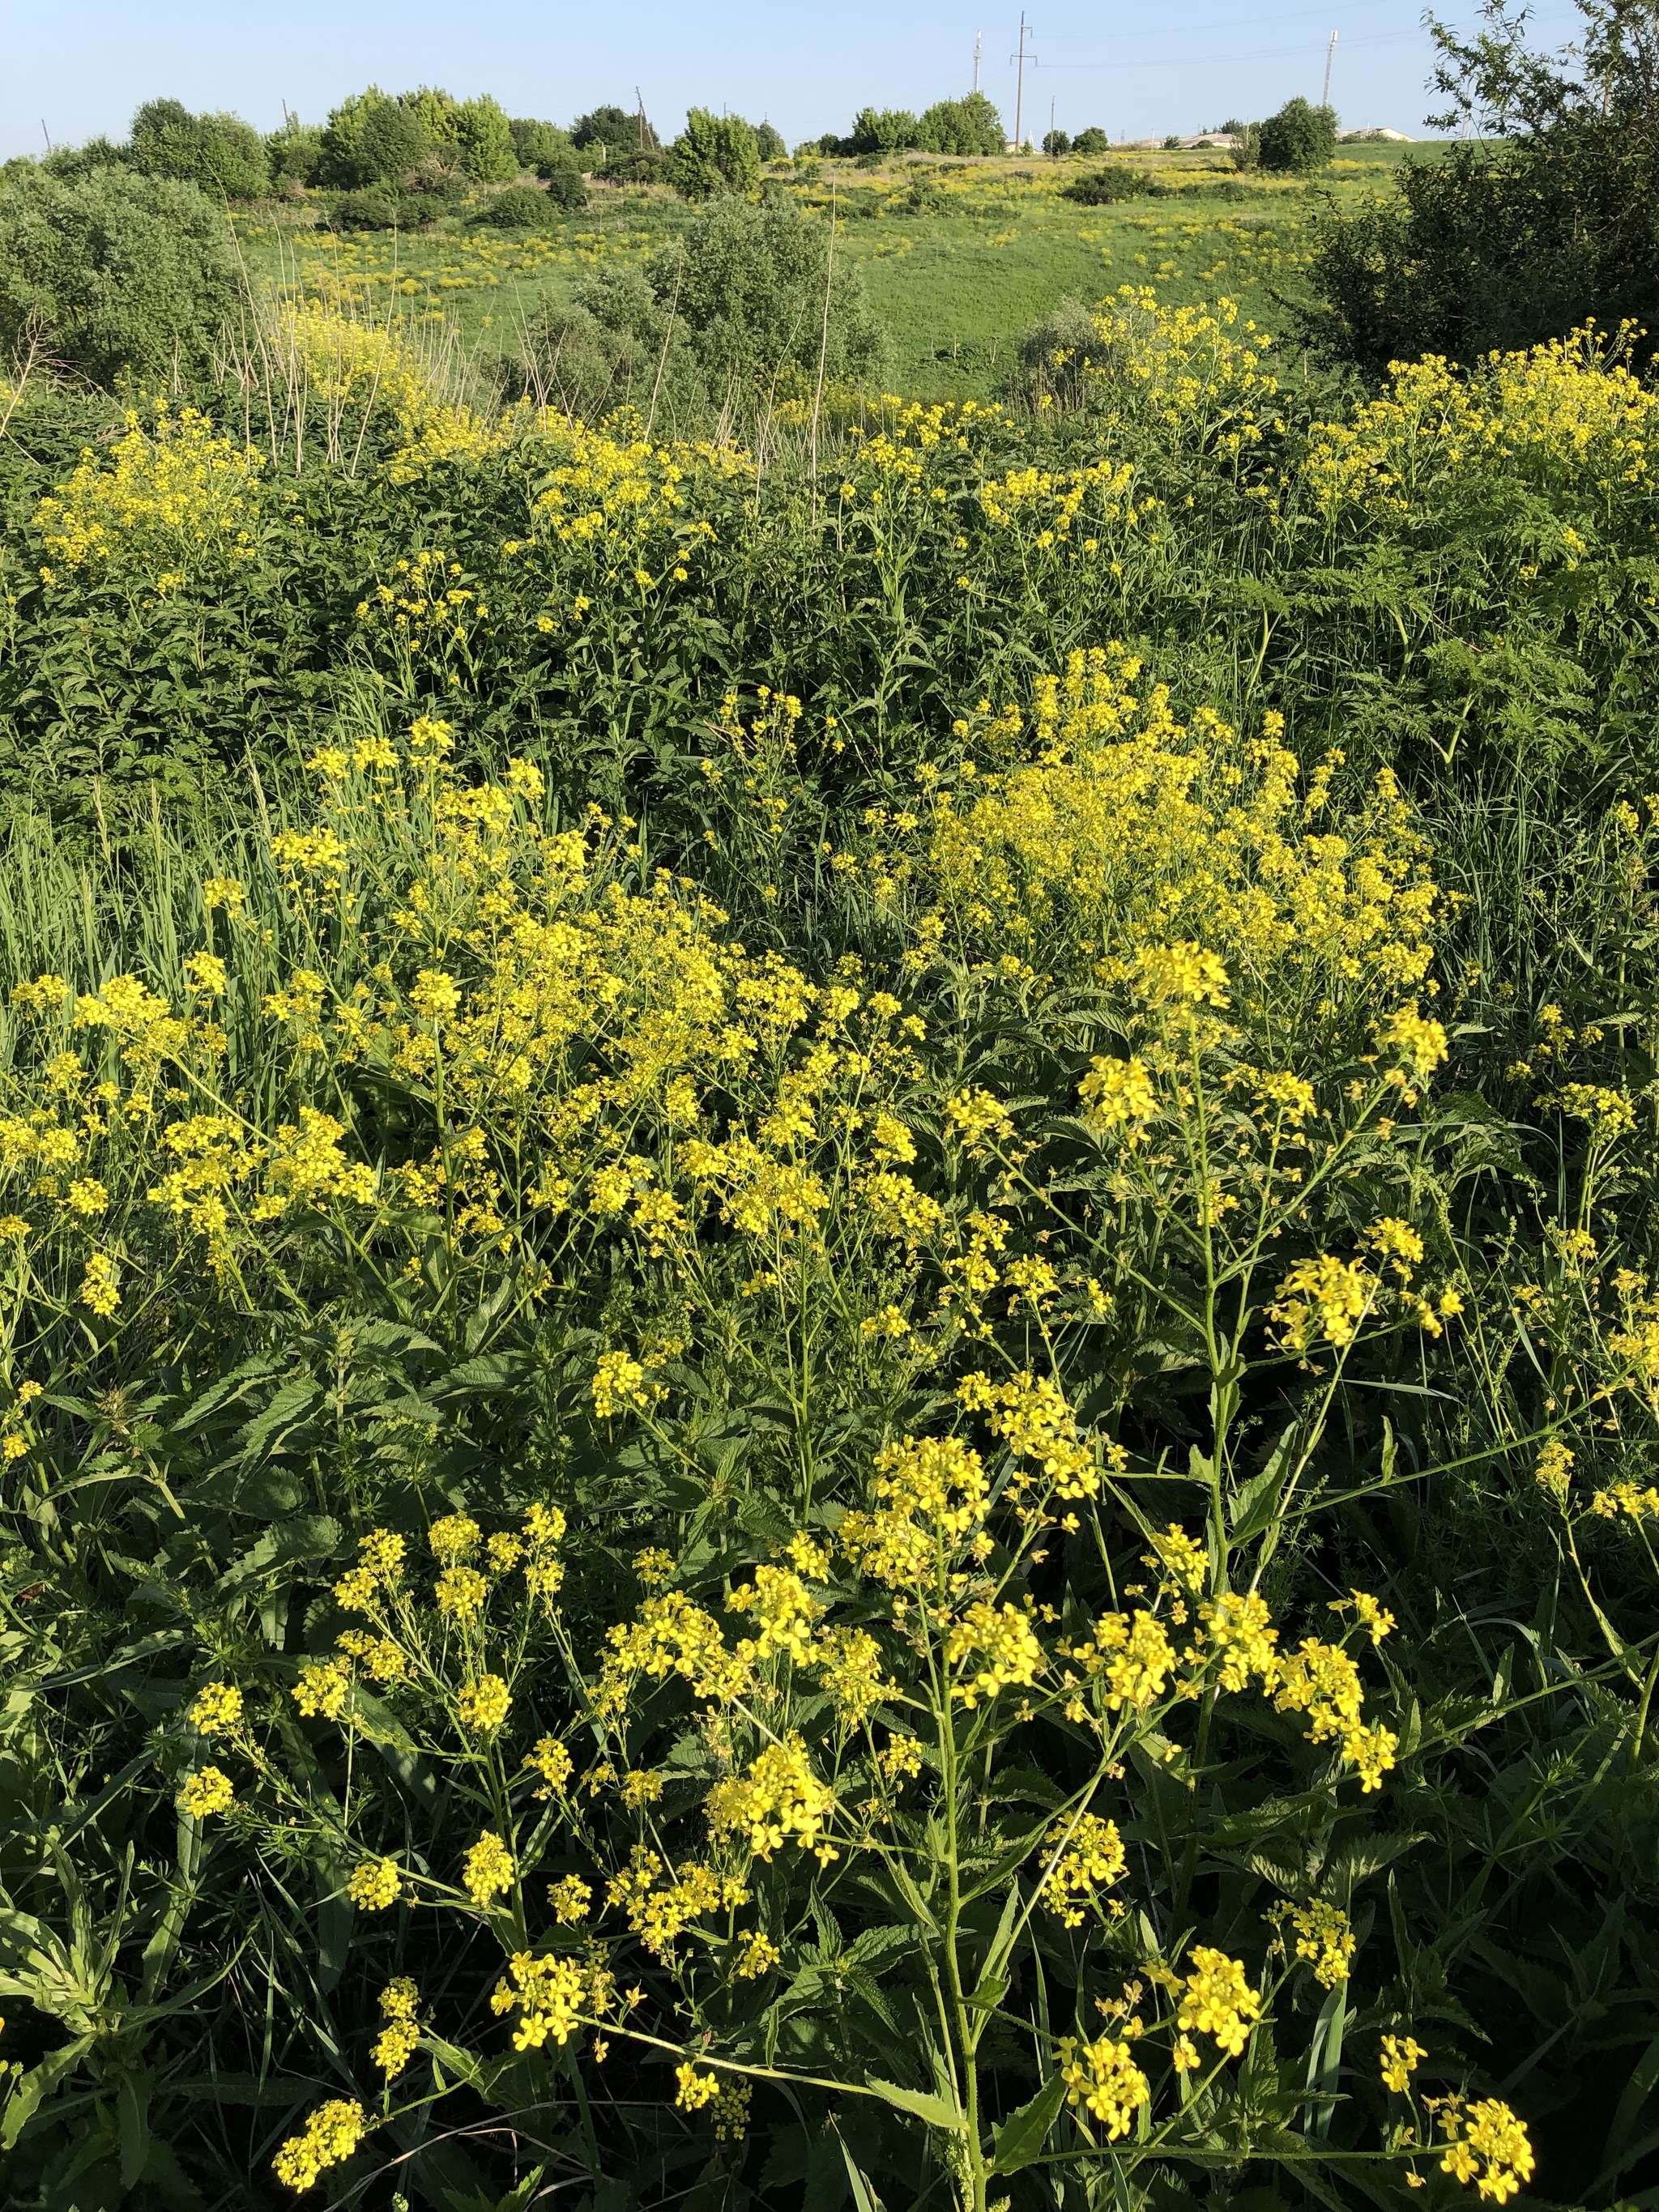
x: 1022, y: 2136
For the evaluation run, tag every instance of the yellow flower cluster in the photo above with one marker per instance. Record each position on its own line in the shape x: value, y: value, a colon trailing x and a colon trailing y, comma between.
x: 779, y: 1798
x: 1490, y: 2147
x: 396, y: 2043
x: 332, y: 2134
x: 1103, y: 2078
x: 1565, y: 416
x: 166, y: 503
x: 1091, y: 1858
x: 1218, y: 2000
x: 546, y: 1993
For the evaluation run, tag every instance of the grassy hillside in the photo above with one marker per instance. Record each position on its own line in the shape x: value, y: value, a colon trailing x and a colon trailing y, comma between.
x: 959, y: 258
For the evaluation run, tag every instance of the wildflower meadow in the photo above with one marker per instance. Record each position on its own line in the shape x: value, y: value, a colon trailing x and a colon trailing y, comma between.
x: 829, y: 1354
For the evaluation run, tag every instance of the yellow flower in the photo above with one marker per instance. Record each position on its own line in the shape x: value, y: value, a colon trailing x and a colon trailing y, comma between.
x: 332, y: 2134
x: 1401, y: 2057
x: 1219, y: 2001
x: 1492, y: 2150
x: 1321, y: 1297
x: 997, y: 1647
x: 483, y: 1703
x: 454, y: 1537
x: 376, y: 1884
x: 1103, y: 2077
x: 99, y: 1282
x: 208, y: 1790
x: 551, y: 1761
x: 780, y: 1797
x: 216, y: 1710
x: 487, y: 1868
x: 396, y: 2044
x: 546, y: 1993
x: 570, y: 1899
x: 1092, y: 1858
x: 322, y: 1687
x: 757, y: 1955
x: 1323, y: 1937
x: 695, y: 2090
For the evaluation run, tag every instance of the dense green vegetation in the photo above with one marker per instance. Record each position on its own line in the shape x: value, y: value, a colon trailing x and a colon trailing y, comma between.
x: 828, y: 1307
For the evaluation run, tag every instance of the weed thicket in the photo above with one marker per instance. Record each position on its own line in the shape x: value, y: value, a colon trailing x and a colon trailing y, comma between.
x: 830, y: 1327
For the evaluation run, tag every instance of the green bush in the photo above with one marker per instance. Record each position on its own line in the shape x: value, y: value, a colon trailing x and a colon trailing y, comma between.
x: 116, y: 271
x: 1299, y: 140
x: 220, y: 153
x: 715, y: 155
x: 1104, y: 186
x: 769, y: 144
x: 520, y: 207
x: 1544, y: 221
x: 1091, y: 141
x: 1056, y: 143
x: 377, y: 207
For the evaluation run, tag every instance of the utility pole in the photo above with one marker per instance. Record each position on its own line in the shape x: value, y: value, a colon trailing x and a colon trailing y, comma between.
x: 979, y: 41
x: 1330, y: 55
x: 1019, y: 85
x: 639, y: 101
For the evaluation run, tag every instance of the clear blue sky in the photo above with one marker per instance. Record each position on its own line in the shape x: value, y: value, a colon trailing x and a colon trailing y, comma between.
x: 81, y: 66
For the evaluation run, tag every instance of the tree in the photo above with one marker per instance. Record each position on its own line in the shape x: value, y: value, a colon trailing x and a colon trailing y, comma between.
x: 116, y: 271
x: 542, y: 147
x: 613, y: 128
x: 712, y: 155
x: 769, y: 144
x: 1056, y: 143
x: 969, y: 125
x: 1550, y: 218
x: 220, y: 153
x: 1299, y: 140
x: 485, y: 139
x: 882, y: 131
x: 370, y: 139
x: 1091, y: 141
x: 296, y: 153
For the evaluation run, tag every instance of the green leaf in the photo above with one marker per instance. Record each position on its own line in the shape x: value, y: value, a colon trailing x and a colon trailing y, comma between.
x: 936, y: 2111
x: 1023, y: 2134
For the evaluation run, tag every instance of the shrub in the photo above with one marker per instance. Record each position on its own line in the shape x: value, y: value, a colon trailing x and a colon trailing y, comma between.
x: 117, y: 270
x: 377, y: 207
x: 1545, y: 222
x: 750, y: 285
x: 1299, y: 140
x: 220, y: 153
x: 1106, y: 185
x: 1091, y: 141
x: 520, y: 207
x: 1056, y: 143
x: 715, y: 155
x: 769, y: 144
